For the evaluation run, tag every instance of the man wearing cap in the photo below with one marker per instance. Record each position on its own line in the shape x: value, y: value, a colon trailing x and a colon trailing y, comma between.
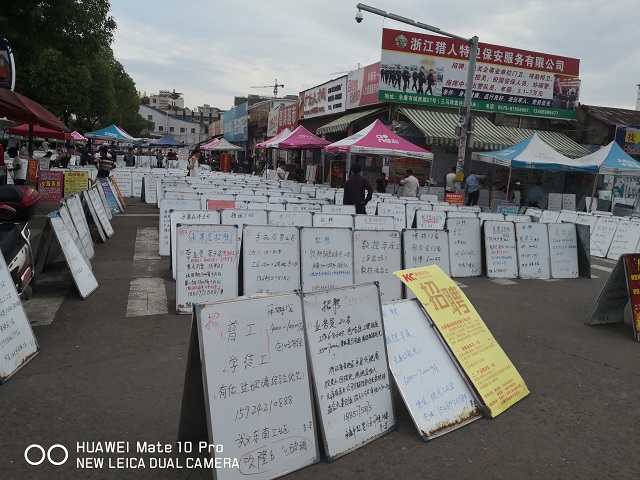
x: 104, y: 164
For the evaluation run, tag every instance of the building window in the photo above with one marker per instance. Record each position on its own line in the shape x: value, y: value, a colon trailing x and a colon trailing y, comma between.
x: 160, y: 128
x: 182, y: 129
x: 171, y: 129
x: 150, y: 117
x: 153, y: 100
x: 193, y: 130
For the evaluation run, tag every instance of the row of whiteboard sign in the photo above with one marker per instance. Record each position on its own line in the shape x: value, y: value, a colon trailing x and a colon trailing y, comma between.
x: 212, y: 262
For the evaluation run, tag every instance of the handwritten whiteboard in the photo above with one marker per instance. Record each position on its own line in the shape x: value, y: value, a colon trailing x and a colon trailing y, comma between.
x: 563, y: 250
x: 271, y: 259
x: 568, y: 216
x: 198, y: 217
x: 587, y: 219
x: 345, y: 209
x: 80, y: 271
x: 625, y: 240
x: 602, y: 236
x: 101, y: 212
x: 555, y: 202
x: 164, y: 229
x: 533, y: 250
x: 206, y: 264
x: 149, y: 188
x: 124, y: 180
x: 568, y: 201
x: 517, y: 218
x: 332, y: 220
x: 304, y: 207
x: 327, y: 258
x: 290, y: 219
x: 80, y: 222
x: 241, y: 217
x: 395, y: 210
x: 345, y: 339
x: 373, y: 222
x: 425, y: 247
x: 17, y: 342
x: 94, y: 215
x: 464, y: 247
x: 549, y: 217
x: 376, y: 255
x: 410, y: 211
x: 434, y: 391
x: 500, y: 249
x: 459, y: 214
x: 242, y: 342
x: 474, y: 209
x: 71, y: 229
x: 534, y: 213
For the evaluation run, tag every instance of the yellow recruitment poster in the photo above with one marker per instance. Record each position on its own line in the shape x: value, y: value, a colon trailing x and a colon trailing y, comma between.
x: 491, y: 372
x: 75, y: 182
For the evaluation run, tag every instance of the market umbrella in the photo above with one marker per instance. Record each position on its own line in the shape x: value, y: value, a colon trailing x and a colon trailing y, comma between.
x: 38, y: 131
x: 19, y: 108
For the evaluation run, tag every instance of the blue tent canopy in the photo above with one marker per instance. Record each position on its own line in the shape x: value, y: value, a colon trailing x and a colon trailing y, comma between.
x: 166, y: 141
x: 111, y: 133
x: 612, y: 160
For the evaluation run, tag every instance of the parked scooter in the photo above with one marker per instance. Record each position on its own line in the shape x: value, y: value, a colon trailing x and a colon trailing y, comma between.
x: 17, y: 206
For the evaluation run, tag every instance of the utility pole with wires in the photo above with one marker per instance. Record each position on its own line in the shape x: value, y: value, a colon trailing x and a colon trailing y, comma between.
x: 275, y: 87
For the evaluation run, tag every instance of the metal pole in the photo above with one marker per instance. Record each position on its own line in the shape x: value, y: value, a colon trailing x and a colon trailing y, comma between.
x: 593, y: 192
x: 508, y: 185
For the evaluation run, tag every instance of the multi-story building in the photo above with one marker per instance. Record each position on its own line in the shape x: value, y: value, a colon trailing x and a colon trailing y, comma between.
x: 184, y: 130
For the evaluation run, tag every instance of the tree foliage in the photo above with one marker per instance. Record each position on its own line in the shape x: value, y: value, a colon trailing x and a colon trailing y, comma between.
x: 62, y: 50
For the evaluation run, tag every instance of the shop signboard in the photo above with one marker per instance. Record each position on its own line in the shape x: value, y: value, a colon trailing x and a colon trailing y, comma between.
x: 628, y: 137
x: 507, y: 80
x: 325, y: 99
x: 235, y: 123
x: 362, y: 86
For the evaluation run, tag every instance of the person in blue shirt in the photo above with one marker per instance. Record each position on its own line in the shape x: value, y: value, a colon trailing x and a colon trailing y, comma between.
x: 534, y: 195
x: 474, y: 182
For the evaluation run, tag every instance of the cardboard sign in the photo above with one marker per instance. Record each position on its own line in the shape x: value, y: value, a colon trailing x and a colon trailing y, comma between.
x: 75, y: 181
x: 50, y: 185
x: 486, y: 365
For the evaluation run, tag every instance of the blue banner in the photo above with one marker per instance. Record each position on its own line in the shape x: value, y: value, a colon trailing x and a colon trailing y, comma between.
x: 235, y: 123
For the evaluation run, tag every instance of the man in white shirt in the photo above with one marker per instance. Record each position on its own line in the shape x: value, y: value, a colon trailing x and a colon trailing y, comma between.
x: 281, y: 173
x: 45, y: 145
x: 411, y: 185
x: 19, y: 168
x: 451, y: 186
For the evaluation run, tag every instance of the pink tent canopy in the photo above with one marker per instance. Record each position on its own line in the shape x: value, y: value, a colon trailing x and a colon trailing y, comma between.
x: 210, y: 145
x: 376, y: 139
x: 273, y: 142
x: 78, y: 136
x: 302, y: 138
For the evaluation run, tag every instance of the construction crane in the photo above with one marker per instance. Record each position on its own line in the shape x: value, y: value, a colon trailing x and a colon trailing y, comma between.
x: 275, y: 87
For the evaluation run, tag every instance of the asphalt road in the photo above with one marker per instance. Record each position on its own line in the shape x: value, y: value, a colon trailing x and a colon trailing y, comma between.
x: 106, y: 376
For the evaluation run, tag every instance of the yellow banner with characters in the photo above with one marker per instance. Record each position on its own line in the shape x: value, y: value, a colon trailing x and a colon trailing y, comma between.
x: 489, y: 369
x: 75, y: 181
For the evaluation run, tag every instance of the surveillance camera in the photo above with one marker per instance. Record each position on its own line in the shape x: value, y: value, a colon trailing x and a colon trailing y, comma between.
x: 359, y: 16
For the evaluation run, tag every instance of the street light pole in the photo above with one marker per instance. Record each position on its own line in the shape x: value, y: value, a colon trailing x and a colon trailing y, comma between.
x: 465, y: 111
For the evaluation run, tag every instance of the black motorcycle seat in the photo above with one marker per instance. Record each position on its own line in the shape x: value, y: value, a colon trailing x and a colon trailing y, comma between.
x: 10, y: 240
x: 11, y: 194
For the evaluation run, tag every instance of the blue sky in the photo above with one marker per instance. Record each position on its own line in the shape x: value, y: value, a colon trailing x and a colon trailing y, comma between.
x: 212, y: 50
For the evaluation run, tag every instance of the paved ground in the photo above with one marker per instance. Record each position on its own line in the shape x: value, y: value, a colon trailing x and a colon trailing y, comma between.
x: 109, y: 370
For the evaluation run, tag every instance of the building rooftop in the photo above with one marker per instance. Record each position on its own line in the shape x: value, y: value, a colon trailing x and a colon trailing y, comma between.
x: 613, y: 116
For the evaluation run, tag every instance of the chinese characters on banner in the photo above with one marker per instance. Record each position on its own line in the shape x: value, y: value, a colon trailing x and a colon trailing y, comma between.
x: 50, y: 185
x: 362, y: 86
x: 431, y: 70
x: 34, y: 165
x: 75, y: 182
x: 454, y: 198
x: 632, y: 264
x: 491, y: 372
x: 628, y: 137
x: 325, y: 99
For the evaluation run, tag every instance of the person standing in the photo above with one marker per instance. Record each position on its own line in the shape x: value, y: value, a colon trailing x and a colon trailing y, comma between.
x: 535, y: 194
x: 431, y: 80
x: 281, y: 174
x: 411, y: 185
x: 65, y: 158
x: 19, y: 167
x: 473, y: 188
x: 421, y: 80
x: 451, y: 186
x: 381, y: 183
x: 354, y: 189
x: 159, y: 158
x: 194, y: 163
x: 44, y: 146
x: 406, y: 76
x: 105, y: 164
x: 130, y: 158
x: 414, y: 77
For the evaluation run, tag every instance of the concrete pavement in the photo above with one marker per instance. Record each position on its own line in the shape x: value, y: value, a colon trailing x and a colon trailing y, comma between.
x: 110, y: 371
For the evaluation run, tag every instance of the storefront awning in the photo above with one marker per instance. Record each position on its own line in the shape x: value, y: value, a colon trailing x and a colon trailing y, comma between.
x: 439, y: 128
x: 342, y: 123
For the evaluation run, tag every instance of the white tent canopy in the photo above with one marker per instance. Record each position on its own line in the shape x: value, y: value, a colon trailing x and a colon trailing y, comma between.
x: 612, y: 160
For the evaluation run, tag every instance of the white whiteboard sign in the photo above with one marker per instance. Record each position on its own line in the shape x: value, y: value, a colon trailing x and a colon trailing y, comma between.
x: 563, y: 250
x: 555, y: 202
x: 376, y: 255
x: 434, y: 391
x: 198, y: 217
x: 602, y: 236
x: 568, y: 216
x: 80, y: 222
x: 517, y: 218
x: 290, y: 219
x: 625, y: 239
x: 346, y: 346
x: 395, y: 210
x: 304, y: 207
x: 533, y: 250
x: 206, y: 264
x: 332, y: 220
x: 422, y: 248
x: 241, y: 217
x: 271, y: 259
x: 80, y: 271
x: 327, y: 258
x: 94, y: 215
x: 136, y: 183
x: 17, y: 342
x: 549, y: 217
x: 500, y: 249
x: 569, y: 201
x: 430, y: 220
x: 458, y: 214
x: 474, y: 209
x: 164, y: 229
x: 464, y: 247
x: 124, y: 180
x: 373, y: 222
x: 344, y: 209
x: 243, y: 342
x: 71, y: 229
x: 98, y: 206
x: 587, y: 219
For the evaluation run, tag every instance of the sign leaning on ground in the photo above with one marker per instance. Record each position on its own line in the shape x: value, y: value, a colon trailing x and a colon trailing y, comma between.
x: 429, y: 382
x: 345, y: 339
x: 256, y: 384
x: 327, y: 258
x: 376, y: 255
x: 484, y: 362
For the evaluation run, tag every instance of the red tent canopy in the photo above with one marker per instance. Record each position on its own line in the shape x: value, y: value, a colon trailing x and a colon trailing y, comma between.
x: 302, y: 138
x: 38, y: 131
x: 21, y: 109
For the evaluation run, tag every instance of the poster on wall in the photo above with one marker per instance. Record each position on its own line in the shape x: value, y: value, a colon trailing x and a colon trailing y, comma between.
x: 426, y: 69
x: 363, y: 85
